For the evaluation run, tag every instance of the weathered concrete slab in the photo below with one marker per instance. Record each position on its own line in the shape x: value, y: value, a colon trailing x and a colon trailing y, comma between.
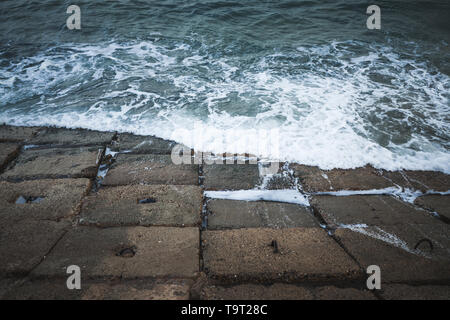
x: 231, y: 214
x: 8, y: 151
x: 281, y: 291
x: 71, y: 137
x: 150, y: 169
x: 16, y: 134
x: 41, y: 199
x: 430, y: 180
x: 279, y: 181
x: 248, y: 255
x: 54, y: 164
x: 140, y: 290
x: 56, y: 289
x: 314, y: 179
x: 400, y: 178
x: 370, y: 210
x: 311, y: 178
x: 130, y: 252
x: 396, y: 264
x: 276, y: 176
x: 436, y: 203
x: 230, y: 176
x: 278, y: 291
x: 24, y: 244
x: 210, y: 158
x: 419, y: 180
x: 430, y: 240
x: 336, y: 293
x: 408, y: 292
x: 6, y: 285
x: 142, y: 144
x: 144, y: 205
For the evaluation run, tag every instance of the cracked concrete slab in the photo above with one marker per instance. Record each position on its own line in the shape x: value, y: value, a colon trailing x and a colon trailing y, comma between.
x: 54, y: 164
x: 140, y: 289
x: 8, y: 151
x: 16, y: 134
x: 419, y: 180
x: 25, y: 244
x: 41, y: 199
x: 435, y: 203
x: 313, y: 179
x: 8, y: 284
x: 277, y: 291
x: 429, y: 240
x: 370, y: 210
x: 71, y: 137
x: 128, y: 253
x: 396, y: 264
x: 282, y: 291
x: 150, y: 169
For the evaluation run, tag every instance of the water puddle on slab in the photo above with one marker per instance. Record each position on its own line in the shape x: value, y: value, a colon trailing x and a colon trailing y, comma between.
x: 28, y: 200
x: 148, y: 200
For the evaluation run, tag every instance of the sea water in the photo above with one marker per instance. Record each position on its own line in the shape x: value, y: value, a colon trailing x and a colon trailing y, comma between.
x: 337, y: 94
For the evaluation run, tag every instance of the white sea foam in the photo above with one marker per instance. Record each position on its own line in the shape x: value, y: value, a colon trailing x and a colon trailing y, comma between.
x: 331, y: 111
x: 288, y: 196
x: 407, y: 195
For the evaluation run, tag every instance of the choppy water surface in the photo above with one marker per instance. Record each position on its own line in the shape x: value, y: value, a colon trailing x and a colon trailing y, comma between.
x: 338, y: 94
